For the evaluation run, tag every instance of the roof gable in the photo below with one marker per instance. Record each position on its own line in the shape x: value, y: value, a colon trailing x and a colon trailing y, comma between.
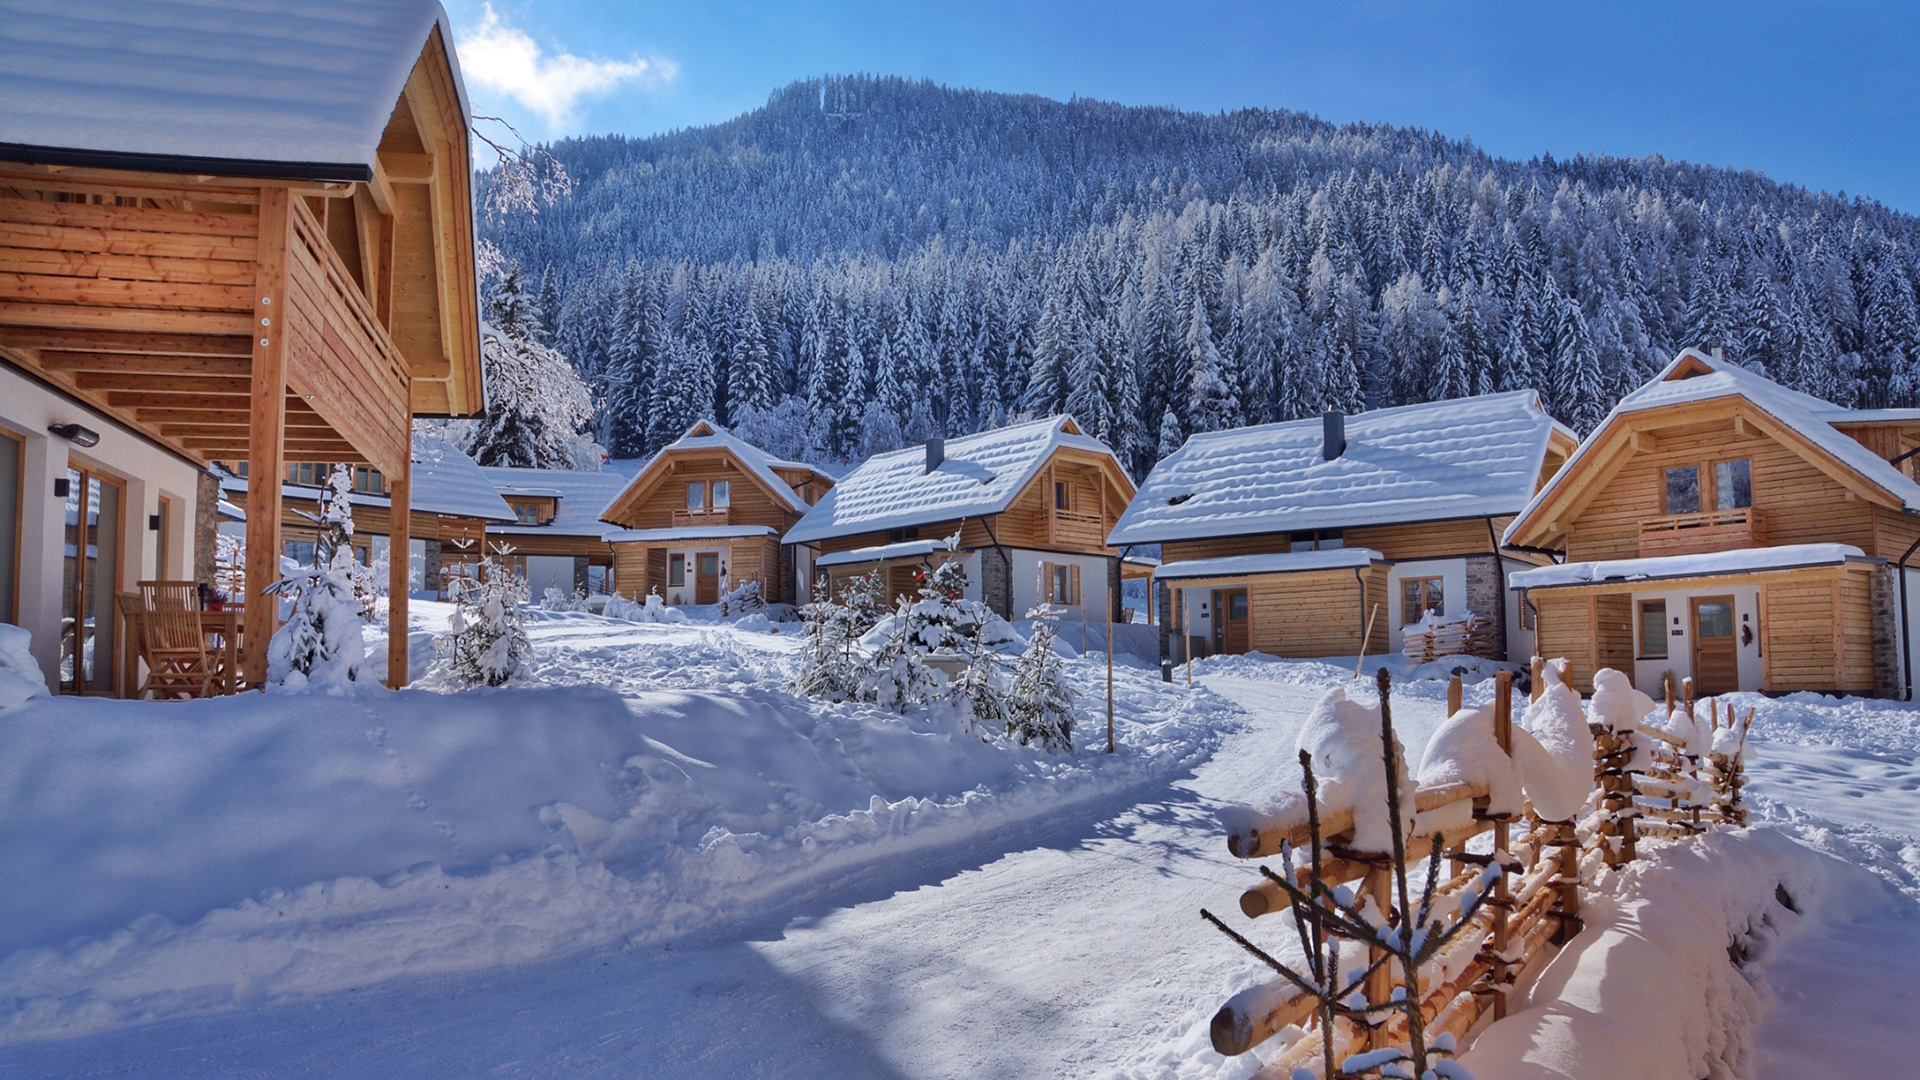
x: 1465, y: 457
x: 980, y: 475
x: 709, y: 439
x: 298, y: 89
x: 1801, y: 422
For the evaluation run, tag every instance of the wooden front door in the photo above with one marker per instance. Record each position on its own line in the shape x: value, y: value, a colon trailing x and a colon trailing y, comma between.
x: 706, y: 578
x: 1230, y: 633
x: 1716, y: 657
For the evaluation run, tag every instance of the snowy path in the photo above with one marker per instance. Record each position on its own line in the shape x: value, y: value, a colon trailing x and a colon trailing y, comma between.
x: 1070, y: 948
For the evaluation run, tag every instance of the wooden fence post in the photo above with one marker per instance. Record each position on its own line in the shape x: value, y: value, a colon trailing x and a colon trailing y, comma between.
x: 1502, y: 895
x: 1456, y: 694
x: 1537, y: 679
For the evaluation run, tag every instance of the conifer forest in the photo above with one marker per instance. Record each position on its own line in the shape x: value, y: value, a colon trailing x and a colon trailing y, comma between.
x: 865, y: 262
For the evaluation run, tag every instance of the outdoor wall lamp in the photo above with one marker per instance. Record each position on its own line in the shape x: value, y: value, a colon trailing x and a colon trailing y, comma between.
x: 76, y: 434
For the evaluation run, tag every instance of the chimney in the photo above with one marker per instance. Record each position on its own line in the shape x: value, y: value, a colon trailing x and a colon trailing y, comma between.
x: 1334, y: 427
x: 936, y: 453
x: 1717, y: 358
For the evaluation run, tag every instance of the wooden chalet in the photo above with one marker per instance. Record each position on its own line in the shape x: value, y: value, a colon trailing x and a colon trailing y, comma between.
x: 705, y: 515
x: 243, y: 237
x: 1324, y: 537
x: 1720, y: 527
x: 1030, y: 506
x: 557, y: 536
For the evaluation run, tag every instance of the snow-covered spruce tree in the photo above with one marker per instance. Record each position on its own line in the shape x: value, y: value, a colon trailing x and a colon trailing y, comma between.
x: 322, y: 644
x: 1040, y: 703
x: 487, y: 640
x: 865, y: 598
x: 537, y: 406
x: 979, y: 690
x: 829, y: 670
x: 898, y: 677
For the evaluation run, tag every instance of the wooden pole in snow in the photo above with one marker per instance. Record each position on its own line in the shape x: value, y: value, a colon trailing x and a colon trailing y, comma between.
x: 1503, y: 736
x: 1456, y: 695
x: 1364, y: 635
x: 1109, y: 682
x: 1186, y: 633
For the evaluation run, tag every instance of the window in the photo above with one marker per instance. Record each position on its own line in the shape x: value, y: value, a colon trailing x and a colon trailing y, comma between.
x: 676, y: 569
x: 1319, y: 540
x: 1237, y: 609
x: 1060, y: 496
x: 722, y: 494
x: 697, y: 496
x: 369, y: 480
x: 1732, y: 485
x: 1683, y: 490
x: 526, y: 513
x: 1653, y: 629
x: 901, y: 536
x: 1062, y: 583
x: 1419, y: 596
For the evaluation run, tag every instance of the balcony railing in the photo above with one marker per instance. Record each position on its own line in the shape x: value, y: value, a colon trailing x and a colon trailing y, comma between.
x: 1074, y: 528
x: 701, y: 518
x: 1693, y: 534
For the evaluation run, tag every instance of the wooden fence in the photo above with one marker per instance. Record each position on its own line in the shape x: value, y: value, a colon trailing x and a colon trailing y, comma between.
x: 1648, y: 782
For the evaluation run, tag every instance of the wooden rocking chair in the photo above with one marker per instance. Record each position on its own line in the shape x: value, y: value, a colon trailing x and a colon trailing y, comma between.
x: 174, y: 644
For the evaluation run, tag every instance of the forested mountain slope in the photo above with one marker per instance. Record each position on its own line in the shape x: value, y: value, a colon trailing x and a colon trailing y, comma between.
x: 866, y: 261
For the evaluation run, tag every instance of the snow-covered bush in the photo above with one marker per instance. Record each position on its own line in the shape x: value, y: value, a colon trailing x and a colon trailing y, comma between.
x: 487, y: 640
x: 1040, y: 704
x: 557, y: 599
x: 654, y: 610
x: 978, y: 691
x: 333, y: 540
x: 20, y: 678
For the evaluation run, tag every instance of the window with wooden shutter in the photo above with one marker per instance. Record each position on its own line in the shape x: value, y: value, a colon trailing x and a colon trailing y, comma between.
x: 1073, y: 585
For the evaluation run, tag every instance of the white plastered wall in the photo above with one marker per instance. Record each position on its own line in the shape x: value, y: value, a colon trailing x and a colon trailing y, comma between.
x: 549, y: 572
x: 1521, y: 636
x: 1095, y: 595
x: 27, y: 409
x: 1749, y: 636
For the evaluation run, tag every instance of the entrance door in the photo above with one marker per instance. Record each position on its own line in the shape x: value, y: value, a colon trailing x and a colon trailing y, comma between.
x: 706, y: 578
x: 1716, y: 658
x: 91, y: 577
x: 1230, y: 632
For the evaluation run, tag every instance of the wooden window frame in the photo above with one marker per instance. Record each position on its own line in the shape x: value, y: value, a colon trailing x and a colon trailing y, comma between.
x: 1713, y: 470
x: 526, y: 513
x: 1062, y: 496
x: 1640, y: 626
x: 676, y: 559
x: 715, y: 499
x: 701, y: 487
x: 1700, y: 473
x: 87, y: 471
x: 1409, y: 618
x: 1058, y: 578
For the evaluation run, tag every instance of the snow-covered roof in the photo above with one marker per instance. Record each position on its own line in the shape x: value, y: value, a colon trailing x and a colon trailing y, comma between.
x: 1710, y: 564
x: 1465, y: 457
x: 909, y: 549
x: 1803, y: 414
x: 1353, y: 558
x: 981, y: 474
x: 707, y: 435
x: 712, y: 532
x: 446, y: 482
x: 231, y: 511
x: 294, y: 88
x: 582, y: 496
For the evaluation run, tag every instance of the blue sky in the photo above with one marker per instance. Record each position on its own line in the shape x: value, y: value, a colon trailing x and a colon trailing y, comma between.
x: 1823, y: 95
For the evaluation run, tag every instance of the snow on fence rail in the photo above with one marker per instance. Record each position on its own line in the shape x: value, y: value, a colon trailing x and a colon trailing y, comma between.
x: 1559, y: 796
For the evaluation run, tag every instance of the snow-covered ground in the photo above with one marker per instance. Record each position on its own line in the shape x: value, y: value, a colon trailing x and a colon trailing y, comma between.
x: 658, y: 863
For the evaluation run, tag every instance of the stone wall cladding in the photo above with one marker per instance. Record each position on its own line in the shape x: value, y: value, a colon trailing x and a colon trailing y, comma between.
x: 1884, y: 600
x: 430, y: 572
x: 996, y: 582
x: 1486, y: 599
x: 206, y: 526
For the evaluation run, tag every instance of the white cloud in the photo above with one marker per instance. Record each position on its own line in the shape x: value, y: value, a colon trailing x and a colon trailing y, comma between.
x: 504, y: 59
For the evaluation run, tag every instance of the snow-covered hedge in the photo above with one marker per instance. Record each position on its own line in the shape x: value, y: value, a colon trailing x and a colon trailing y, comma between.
x: 21, y: 679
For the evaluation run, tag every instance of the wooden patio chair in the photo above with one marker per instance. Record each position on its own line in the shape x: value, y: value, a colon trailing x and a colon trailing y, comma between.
x: 174, y: 645
x: 185, y: 594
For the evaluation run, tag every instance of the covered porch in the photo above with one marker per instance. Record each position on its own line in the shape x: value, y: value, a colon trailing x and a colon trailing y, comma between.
x: 1303, y: 605
x: 1819, y: 617
x: 697, y: 566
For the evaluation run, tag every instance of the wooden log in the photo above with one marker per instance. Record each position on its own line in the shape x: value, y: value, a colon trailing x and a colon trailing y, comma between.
x: 1261, y: 843
x: 1257, y: 1014
x: 1267, y: 898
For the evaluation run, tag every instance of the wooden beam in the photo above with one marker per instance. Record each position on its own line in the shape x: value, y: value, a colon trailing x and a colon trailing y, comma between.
x: 79, y: 316
x: 404, y: 168
x: 148, y: 401
x: 116, y: 342
x: 146, y: 363
x: 399, y: 568
x: 177, y: 383
x: 266, y: 453
x: 119, y: 292
x: 1643, y: 441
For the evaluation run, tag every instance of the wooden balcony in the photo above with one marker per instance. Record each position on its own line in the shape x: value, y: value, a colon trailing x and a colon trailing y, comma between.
x: 1693, y: 534
x: 710, y: 517
x: 1078, y: 530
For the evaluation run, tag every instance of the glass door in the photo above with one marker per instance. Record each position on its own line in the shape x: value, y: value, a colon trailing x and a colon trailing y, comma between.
x: 90, y: 579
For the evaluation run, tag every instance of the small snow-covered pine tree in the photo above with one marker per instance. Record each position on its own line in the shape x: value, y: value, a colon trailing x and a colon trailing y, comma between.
x: 865, y: 598
x: 828, y: 667
x: 1040, y: 703
x: 487, y: 641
